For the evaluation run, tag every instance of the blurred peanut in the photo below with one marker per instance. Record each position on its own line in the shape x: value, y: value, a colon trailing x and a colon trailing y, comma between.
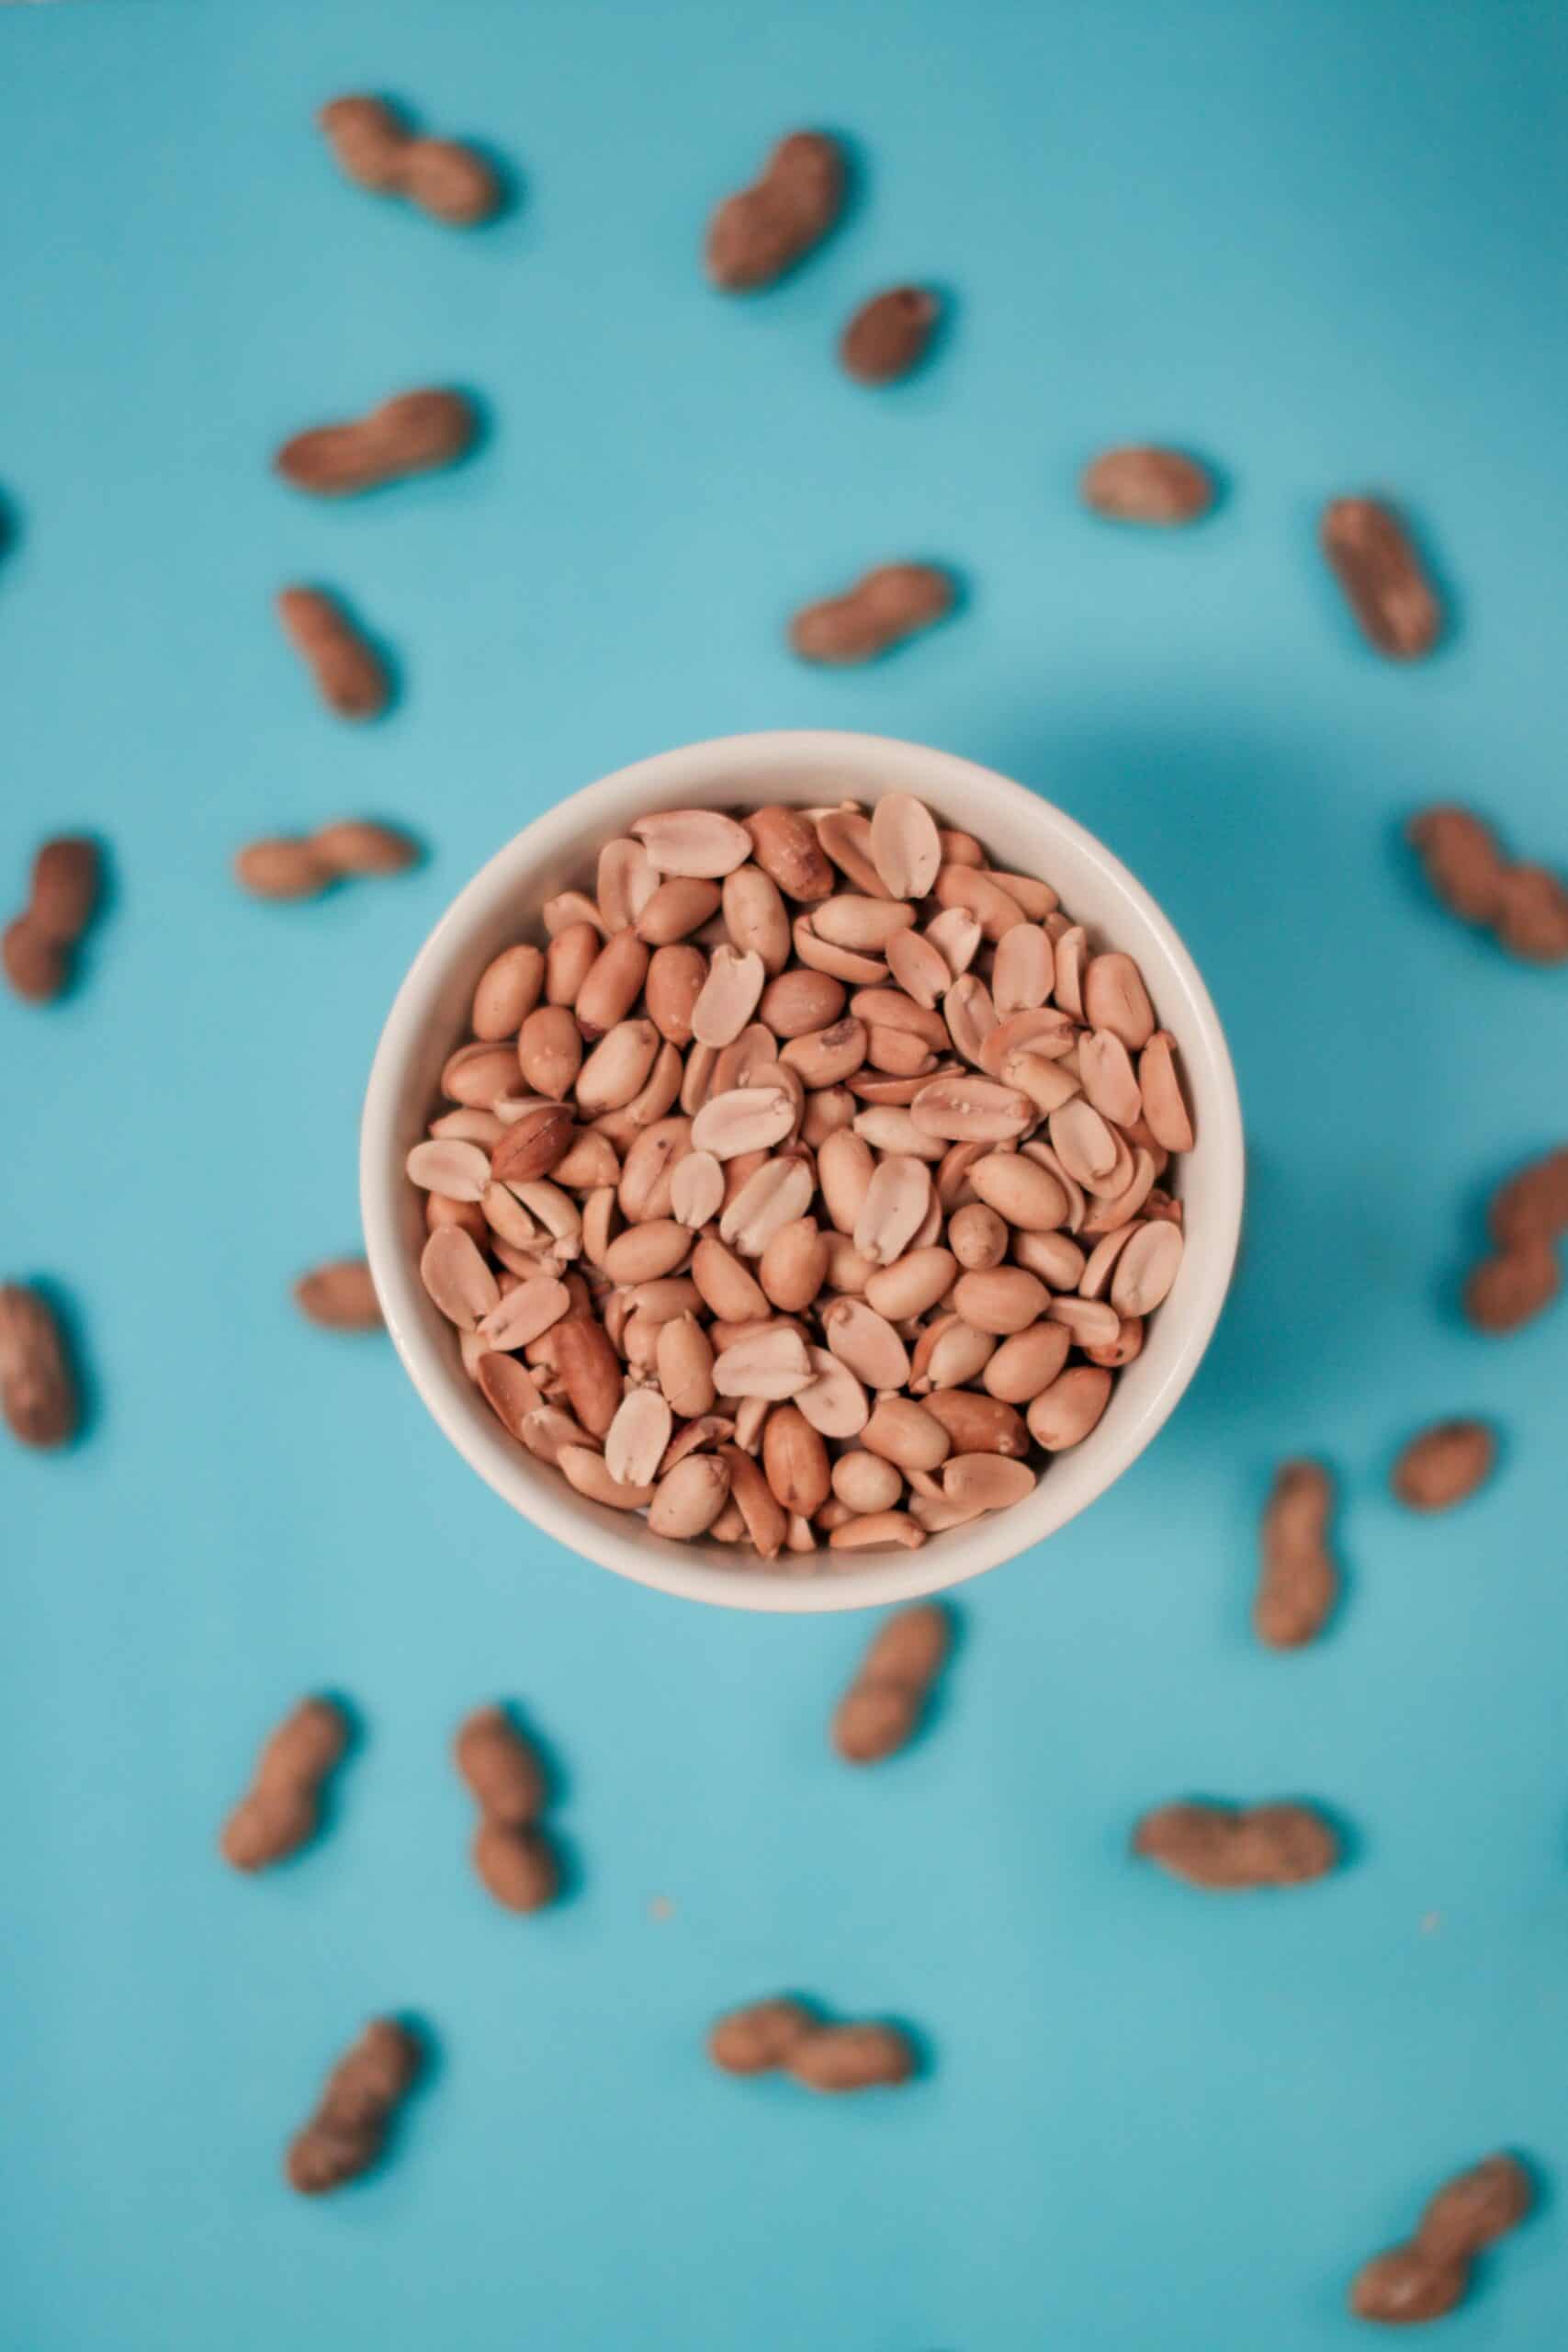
x: 881, y: 1710
x: 785, y: 2034
x: 888, y: 335
x: 349, y: 674
x: 280, y: 1812
x: 762, y: 231
x: 37, y: 1395
x: 884, y: 607
x: 1385, y: 585
x: 504, y: 1775
x: 35, y: 949
x: 374, y: 148
x: 346, y: 2133
x: 1427, y: 2277
x: 1223, y: 1848
x: 302, y: 866
x: 413, y: 433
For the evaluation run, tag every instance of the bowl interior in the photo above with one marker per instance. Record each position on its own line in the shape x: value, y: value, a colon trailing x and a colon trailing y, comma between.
x: 559, y: 852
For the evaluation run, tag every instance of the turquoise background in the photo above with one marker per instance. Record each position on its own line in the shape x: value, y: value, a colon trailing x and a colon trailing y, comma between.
x: 1326, y: 245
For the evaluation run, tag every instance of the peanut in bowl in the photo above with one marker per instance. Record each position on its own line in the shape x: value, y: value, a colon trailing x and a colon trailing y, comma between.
x: 893, y: 1292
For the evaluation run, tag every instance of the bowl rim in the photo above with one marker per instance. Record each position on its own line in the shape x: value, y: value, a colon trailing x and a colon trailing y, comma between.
x: 597, y: 1534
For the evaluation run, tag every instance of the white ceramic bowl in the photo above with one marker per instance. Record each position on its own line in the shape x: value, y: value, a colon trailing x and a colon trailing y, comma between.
x: 558, y: 852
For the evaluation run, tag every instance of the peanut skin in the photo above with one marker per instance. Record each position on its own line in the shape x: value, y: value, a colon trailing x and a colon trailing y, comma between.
x: 345, y: 2134
x: 762, y: 231
x: 413, y: 433
x: 1223, y: 1848
x: 881, y: 1709
x: 280, y: 1812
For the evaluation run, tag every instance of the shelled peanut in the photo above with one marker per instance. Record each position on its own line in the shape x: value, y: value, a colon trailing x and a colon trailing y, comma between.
x: 807, y: 1182
x: 339, y: 1295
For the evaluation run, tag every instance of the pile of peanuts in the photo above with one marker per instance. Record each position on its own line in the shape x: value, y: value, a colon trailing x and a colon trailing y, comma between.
x: 808, y: 1184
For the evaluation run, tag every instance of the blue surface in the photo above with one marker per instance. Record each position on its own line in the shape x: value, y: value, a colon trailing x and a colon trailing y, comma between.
x: 1325, y: 244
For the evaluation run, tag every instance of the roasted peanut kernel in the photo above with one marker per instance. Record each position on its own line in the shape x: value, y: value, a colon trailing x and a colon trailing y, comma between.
x: 794, y: 1460
x: 1444, y: 1465
x: 340, y: 1296
x: 887, y: 336
x: 1144, y: 485
x: 839, y: 1215
x: 507, y: 990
